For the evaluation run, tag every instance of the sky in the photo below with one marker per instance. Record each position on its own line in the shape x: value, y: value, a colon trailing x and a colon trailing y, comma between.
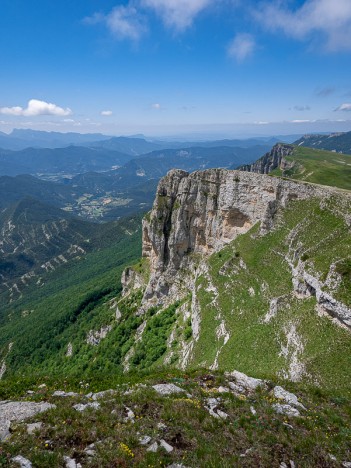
x: 176, y: 67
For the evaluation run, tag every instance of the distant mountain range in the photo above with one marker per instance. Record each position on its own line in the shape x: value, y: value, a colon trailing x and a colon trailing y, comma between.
x: 133, y: 145
x: 69, y: 160
x: 25, y: 138
x: 339, y: 142
x: 68, y: 177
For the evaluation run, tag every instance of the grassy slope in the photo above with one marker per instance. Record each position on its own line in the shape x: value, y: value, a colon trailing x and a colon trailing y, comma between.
x: 244, y: 439
x: 76, y: 301
x: 252, y: 271
x: 69, y: 304
x: 320, y: 167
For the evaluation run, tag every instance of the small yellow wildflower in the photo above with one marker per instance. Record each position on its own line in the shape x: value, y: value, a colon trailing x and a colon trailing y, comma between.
x: 126, y: 449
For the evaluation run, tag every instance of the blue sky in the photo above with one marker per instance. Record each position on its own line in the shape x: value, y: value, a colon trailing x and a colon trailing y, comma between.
x: 163, y: 67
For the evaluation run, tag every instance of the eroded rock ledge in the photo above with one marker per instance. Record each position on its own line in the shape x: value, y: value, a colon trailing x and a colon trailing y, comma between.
x: 272, y: 160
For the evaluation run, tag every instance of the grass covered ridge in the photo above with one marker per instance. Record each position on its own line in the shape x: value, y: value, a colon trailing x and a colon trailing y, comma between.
x: 248, y: 294
x: 319, y: 167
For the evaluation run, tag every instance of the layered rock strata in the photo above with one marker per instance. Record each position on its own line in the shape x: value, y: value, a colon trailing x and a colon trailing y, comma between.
x: 201, y: 212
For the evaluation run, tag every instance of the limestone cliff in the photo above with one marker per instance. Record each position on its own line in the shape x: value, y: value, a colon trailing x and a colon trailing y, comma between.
x: 239, y: 262
x: 272, y: 160
x: 200, y: 213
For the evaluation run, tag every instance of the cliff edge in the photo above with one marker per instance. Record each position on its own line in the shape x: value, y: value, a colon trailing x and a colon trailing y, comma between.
x: 200, y: 213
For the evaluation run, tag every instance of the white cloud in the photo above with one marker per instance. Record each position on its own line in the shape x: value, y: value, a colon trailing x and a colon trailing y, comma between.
x: 156, y: 106
x: 124, y: 22
x: 106, y: 113
x: 344, y: 107
x: 178, y: 14
x: 242, y: 46
x: 36, y: 107
x: 301, y: 121
x: 331, y: 18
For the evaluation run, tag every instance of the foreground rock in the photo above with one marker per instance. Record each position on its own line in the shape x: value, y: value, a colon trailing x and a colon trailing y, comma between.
x: 287, y: 410
x: 242, y: 383
x: 167, y: 389
x: 22, y: 462
x: 18, y: 411
x: 289, y: 398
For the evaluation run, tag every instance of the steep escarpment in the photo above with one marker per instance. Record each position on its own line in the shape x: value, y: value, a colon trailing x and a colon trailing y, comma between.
x: 240, y: 262
x: 200, y: 213
x: 272, y: 160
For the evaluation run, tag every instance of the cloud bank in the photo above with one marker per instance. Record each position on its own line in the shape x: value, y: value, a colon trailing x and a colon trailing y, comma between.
x: 331, y: 19
x: 130, y: 22
x: 177, y: 14
x: 35, y: 108
x: 346, y: 107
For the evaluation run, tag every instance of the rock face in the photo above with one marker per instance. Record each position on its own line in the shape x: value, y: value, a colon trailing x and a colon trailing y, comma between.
x: 18, y: 411
x: 271, y: 160
x: 201, y: 212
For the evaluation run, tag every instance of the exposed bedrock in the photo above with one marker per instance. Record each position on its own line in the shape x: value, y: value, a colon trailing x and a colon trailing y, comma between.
x: 199, y: 213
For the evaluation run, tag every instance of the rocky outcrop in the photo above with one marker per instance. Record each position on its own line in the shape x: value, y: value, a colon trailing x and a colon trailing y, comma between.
x: 130, y: 280
x: 274, y: 159
x: 306, y: 285
x: 95, y: 336
x: 200, y: 213
x: 18, y: 411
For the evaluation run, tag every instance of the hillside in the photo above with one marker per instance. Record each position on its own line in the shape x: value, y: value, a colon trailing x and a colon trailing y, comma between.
x: 64, y: 161
x: 257, y: 256
x: 37, y: 238
x: 337, y: 142
x: 14, y: 189
x: 108, y: 195
x: 305, y: 164
x: 70, y: 298
x: 154, y: 165
x: 243, y: 275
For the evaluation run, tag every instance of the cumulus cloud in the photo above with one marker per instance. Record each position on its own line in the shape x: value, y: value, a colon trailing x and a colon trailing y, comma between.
x: 178, y: 14
x: 36, y: 107
x: 124, y: 22
x: 106, y: 113
x: 302, y: 108
x: 331, y: 19
x: 242, y: 46
x: 346, y: 107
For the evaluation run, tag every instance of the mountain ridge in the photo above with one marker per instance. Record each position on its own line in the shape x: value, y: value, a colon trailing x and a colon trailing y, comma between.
x: 199, y: 221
